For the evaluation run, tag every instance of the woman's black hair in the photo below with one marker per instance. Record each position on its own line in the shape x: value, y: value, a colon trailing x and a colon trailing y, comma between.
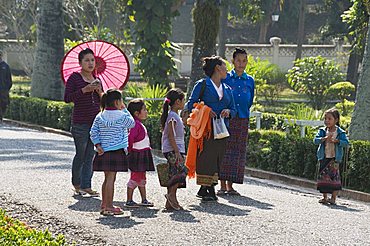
x: 335, y: 113
x: 109, y: 97
x: 171, y: 97
x: 209, y: 64
x: 135, y: 105
x: 238, y: 51
x: 84, y: 52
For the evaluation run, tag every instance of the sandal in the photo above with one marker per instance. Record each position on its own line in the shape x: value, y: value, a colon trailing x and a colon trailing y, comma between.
x: 233, y: 192
x: 173, y: 205
x: 146, y: 203
x: 323, y: 201
x: 112, y: 211
x: 332, y: 202
x: 88, y: 192
x: 222, y: 192
x: 131, y: 204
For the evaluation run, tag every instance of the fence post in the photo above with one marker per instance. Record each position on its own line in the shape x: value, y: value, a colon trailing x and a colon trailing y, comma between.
x: 275, y: 42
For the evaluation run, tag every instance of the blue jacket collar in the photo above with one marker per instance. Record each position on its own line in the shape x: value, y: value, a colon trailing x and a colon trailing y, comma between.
x: 235, y: 75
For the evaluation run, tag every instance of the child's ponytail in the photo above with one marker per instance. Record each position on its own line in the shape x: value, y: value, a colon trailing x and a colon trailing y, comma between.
x: 171, y: 97
x: 103, y: 101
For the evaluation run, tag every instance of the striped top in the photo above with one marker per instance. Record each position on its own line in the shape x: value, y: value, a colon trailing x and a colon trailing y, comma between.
x: 86, y: 106
x: 110, y: 129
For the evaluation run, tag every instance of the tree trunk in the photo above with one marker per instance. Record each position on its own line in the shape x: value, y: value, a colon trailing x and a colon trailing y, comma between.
x: 359, y: 128
x: 263, y: 31
x: 46, y: 79
x: 300, y: 29
x: 352, y: 70
x: 206, y: 16
x: 223, y: 27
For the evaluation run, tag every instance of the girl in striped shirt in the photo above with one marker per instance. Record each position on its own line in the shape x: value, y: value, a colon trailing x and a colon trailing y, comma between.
x: 109, y: 134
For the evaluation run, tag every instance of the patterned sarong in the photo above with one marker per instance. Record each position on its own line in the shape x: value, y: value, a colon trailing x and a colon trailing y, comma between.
x: 233, y: 165
x: 329, y: 178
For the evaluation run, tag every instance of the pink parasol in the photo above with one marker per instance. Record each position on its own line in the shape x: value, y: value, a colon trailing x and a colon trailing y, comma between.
x: 112, y: 66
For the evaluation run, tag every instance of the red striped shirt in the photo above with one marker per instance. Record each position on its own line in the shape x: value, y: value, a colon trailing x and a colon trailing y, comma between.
x: 86, y: 106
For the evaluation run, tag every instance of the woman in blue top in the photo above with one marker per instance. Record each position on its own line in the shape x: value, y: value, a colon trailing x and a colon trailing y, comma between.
x: 242, y: 85
x: 218, y: 96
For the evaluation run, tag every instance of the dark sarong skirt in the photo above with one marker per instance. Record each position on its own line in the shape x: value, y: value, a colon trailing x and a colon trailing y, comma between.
x: 141, y: 161
x: 209, y: 161
x: 235, y: 159
x: 112, y: 161
x: 329, y: 178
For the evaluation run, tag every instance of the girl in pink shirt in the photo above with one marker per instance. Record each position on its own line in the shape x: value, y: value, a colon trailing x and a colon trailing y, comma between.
x: 140, y: 157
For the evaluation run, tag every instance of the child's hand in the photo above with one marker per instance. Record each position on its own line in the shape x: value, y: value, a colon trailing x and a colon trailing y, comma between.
x: 179, y: 157
x: 100, y: 150
x: 323, y: 139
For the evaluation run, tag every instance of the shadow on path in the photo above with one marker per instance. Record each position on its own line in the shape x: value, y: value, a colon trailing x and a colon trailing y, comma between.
x: 86, y: 204
x: 247, y: 201
x: 117, y: 222
x: 183, y: 216
x: 219, y: 209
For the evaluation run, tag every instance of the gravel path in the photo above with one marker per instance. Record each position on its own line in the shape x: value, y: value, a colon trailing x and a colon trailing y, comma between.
x: 35, y: 187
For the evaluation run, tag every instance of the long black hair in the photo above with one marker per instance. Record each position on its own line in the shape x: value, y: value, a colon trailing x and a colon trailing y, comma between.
x: 109, y: 97
x: 171, y: 97
x: 238, y: 51
x: 209, y: 64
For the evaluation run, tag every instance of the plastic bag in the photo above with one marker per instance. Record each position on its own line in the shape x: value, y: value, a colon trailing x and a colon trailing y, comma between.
x: 219, y: 128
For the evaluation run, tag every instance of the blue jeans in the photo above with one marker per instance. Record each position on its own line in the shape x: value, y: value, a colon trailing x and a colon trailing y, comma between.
x: 82, y: 162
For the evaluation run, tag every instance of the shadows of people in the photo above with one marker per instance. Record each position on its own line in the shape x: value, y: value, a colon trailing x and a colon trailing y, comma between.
x: 182, y: 216
x: 117, y: 222
x: 219, y: 209
x: 247, y: 201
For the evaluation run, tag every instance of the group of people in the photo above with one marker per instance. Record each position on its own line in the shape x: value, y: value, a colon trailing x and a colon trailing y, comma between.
x: 110, y: 137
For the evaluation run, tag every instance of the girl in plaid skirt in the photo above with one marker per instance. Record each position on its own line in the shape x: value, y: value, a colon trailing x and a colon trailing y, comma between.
x: 140, y: 157
x: 109, y: 135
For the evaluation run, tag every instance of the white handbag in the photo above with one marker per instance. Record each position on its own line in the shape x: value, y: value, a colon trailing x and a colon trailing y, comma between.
x: 219, y: 128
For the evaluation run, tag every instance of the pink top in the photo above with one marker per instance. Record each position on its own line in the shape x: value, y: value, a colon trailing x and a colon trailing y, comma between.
x: 138, y: 139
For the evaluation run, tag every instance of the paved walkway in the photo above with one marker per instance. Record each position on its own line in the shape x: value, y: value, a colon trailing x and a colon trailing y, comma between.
x: 35, y: 170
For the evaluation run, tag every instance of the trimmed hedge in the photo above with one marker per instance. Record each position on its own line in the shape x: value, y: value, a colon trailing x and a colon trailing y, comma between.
x: 277, y: 152
x: 40, y: 111
x: 14, y: 232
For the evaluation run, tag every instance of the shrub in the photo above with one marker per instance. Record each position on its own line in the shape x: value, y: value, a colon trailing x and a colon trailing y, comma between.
x: 359, y: 167
x: 313, y: 76
x: 14, y: 232
x: 40, y: 111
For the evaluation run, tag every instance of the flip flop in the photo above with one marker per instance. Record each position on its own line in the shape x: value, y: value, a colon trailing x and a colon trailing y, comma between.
x: 88, y: 193
x: 323, y: 201
x: 173, y: 205
x: 112, y: 211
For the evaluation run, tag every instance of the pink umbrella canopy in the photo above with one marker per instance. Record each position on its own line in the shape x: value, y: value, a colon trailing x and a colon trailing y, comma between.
x: 112, y: 66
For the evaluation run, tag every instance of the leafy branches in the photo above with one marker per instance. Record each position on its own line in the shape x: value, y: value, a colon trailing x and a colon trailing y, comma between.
x: 154, y: 53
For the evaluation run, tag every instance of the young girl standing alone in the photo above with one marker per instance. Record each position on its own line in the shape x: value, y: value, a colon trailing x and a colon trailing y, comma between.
x: 110, y: 137
x: 173, y: 145
x: 331, y: 140
x: 140, y: 157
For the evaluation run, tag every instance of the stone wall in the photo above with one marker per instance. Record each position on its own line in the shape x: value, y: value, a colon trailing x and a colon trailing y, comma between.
x: 281, y: 54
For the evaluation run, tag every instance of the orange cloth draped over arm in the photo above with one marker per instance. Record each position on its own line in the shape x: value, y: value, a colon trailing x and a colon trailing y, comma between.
x: 200, y: 128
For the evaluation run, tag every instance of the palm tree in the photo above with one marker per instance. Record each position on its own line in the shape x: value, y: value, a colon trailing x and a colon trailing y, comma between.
x: 206, y: 15
x: 46, y: 79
